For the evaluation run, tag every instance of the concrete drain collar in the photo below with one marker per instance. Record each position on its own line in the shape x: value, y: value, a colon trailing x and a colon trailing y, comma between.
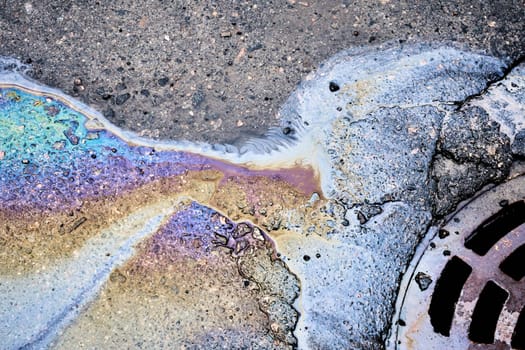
x: 464, y: 290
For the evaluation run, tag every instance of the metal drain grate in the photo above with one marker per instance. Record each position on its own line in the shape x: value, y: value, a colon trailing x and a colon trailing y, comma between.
x: 465, y: 289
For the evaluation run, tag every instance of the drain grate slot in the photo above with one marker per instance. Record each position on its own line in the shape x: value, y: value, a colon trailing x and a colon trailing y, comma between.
x: 486, y: 313
x: 514, y: 264
x: 446, y: 294
x: 495, y: 227
x: 518, y: 337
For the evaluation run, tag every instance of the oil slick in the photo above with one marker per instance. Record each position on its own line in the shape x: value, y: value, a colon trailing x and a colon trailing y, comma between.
x: 76, y: 200
x: 294, y: 240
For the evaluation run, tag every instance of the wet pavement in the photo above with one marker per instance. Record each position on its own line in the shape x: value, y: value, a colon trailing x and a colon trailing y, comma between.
x: 217, y: 237
x: 102, y: 226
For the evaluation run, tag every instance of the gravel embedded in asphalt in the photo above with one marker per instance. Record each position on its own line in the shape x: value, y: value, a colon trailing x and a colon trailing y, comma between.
x: 194, y: 70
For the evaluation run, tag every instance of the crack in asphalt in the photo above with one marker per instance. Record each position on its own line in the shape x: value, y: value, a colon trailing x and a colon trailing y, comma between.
x: 506, y: 71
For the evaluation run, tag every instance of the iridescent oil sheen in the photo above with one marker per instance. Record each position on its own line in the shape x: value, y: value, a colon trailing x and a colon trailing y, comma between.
x: 69, y: 186
x: 48, y: 152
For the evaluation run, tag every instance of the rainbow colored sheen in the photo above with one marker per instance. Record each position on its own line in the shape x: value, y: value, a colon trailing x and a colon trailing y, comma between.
x: 50, y: 159
x: 196, y: 230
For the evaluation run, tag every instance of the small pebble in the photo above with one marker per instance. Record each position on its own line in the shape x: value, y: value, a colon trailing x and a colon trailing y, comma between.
x: 197, y: 98
x: 109, y: 113
x: 121, y: 99
x: 423, y: 280
x: 255, y: 47
x: 362, y: 218
x: 443, y: 233
x: 163, y: 81
x: 333, y: 86
x: 100, y: 91
x: 120, y: 87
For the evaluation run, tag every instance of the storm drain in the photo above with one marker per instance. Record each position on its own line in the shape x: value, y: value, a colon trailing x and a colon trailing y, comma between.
x: 465, y: 289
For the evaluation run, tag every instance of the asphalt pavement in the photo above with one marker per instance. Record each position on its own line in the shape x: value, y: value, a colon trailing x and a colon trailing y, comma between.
x: 219, y: 71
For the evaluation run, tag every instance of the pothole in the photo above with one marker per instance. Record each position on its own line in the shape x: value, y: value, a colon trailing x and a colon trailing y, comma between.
x: 465, y: 287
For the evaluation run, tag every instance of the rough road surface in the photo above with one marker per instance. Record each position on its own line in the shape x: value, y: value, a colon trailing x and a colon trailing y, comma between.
x: 218, y: 72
